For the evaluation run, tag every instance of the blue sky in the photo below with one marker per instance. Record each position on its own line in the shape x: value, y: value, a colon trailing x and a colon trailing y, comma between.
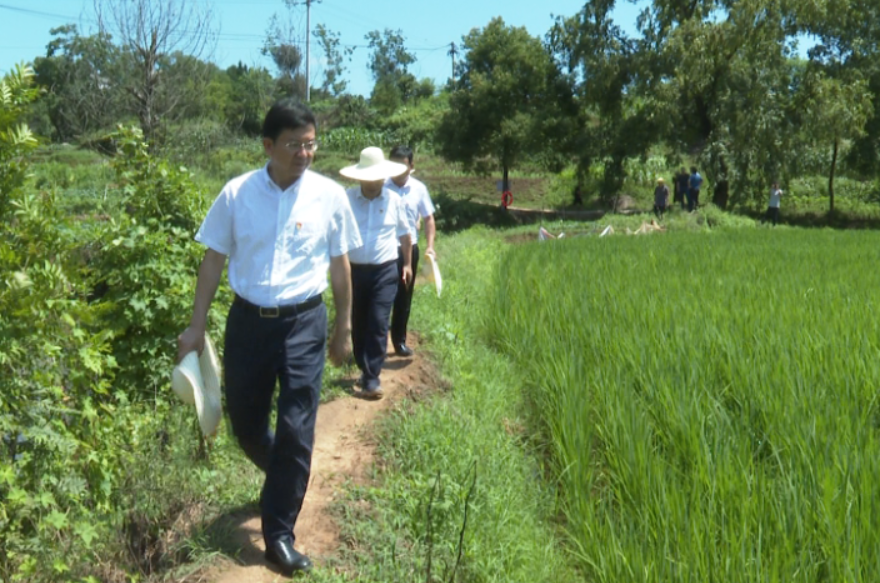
x: 429, y: 28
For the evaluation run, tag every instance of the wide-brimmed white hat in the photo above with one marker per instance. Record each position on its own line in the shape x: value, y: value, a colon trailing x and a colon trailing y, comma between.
x: 196, y: 380
x: 373, y: 166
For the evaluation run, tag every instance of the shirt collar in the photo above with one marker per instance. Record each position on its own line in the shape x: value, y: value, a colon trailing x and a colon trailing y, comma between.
x: 272, y: 186
x: 391, y: 184
x: 361, y: 196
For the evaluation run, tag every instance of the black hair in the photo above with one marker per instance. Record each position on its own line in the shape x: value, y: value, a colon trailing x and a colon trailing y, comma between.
x: 401, y: 152
x: 694, y: 169
x: 287, y: 114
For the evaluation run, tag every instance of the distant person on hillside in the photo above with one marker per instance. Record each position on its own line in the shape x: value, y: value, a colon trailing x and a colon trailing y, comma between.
x: 282, y: 227
x: 382, y: 221
x: 578, y: 196
x: 661, y: 198
x: 418, y: 205
x: 773, y: 208
x: 695, y: 182
x: 682, y: 180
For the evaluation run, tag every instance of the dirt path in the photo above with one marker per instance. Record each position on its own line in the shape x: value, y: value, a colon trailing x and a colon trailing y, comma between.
x: 343, y: 450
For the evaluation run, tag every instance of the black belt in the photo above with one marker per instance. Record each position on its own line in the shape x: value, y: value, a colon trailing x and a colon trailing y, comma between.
x: 276, y: 311
x: 373, y: 266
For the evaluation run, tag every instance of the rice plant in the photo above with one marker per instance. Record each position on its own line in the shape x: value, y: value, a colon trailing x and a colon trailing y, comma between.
x: 709, y: 401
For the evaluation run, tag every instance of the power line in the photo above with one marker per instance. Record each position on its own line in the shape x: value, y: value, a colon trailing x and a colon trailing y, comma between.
x: 38, y: 13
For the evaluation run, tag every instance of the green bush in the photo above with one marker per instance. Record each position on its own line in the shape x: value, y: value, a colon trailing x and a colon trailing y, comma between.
x: 351, y: 141
x: 55, y: 374
x: 144, y: 264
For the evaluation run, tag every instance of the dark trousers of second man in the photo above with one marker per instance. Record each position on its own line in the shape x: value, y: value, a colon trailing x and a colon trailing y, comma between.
x: 260, y: 351
x: 373, y: 288
x: 403, y: 301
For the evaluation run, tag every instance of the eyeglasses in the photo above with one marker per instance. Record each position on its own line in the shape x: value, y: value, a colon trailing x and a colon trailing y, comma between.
x: 309, y: 147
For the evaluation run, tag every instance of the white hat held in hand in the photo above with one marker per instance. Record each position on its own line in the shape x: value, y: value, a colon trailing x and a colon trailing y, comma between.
x: 434, y: 273
x: 373, y: 166
x: 196, y: 380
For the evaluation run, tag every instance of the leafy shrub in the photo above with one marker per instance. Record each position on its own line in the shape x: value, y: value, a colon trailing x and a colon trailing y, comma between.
x: 193, y: 140
x: 55, y: 372
x: 80, y: 437
x: 416, y: 125
x: 349, y: 140
x: 144, y: 264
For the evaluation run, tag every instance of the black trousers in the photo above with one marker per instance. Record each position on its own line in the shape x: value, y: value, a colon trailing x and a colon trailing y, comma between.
x: 373, y: 288
x: 772, y: 215
x: 260, y: 352
x: 403, y: 300
x: 693, y: 197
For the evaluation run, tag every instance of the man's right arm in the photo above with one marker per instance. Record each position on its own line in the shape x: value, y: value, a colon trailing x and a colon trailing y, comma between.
x: 193, y: 338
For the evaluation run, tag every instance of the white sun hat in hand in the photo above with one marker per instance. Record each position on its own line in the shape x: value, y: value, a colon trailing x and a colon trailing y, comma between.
x: 434, y: 273
x: 196, y: 380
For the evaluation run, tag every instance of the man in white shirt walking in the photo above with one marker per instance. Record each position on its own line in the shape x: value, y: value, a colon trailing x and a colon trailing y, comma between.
x: 773, y: 207
x: 282, y: 228
x: 381, y: 220
x: 418, y: 206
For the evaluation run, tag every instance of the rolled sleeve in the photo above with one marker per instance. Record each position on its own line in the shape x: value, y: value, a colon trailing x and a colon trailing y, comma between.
x: 426, y: 206
x: 216, y: 231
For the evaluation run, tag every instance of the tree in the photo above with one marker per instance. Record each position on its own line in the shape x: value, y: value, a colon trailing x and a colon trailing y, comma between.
x: 333, y: 55
x: 604, y: 66
x: 252, y: 93
x: 848, y: 49
x: 508, y: 91
x: 389, y: 63
x: 282, y: 45
x: 712, y: 78
x: 837, y: 111
x: 152, y: 32
x: 81, y: 78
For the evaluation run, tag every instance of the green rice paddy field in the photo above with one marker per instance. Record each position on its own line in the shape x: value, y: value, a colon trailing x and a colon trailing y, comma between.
x: 709, y: 402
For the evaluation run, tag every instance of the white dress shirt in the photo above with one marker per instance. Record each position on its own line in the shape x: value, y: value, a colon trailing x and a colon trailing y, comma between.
x: 381, y: 222
x: 417, y: 201
x: 279, y: 243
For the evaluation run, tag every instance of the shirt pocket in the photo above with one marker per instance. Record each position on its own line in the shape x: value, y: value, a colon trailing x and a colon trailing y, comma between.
x: 307, y: 237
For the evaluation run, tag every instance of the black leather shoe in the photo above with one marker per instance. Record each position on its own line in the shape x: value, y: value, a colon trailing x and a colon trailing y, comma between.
x: 402, y: 350
x: 288, y: 560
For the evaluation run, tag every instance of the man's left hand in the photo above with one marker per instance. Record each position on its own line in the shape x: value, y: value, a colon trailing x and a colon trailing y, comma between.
x: 340, y: 346
x: 407, y: 275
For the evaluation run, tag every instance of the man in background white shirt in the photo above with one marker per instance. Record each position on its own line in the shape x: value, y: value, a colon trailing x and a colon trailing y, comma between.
x: 418, y: 206
x: 381, y: 220
x: 282, y: 228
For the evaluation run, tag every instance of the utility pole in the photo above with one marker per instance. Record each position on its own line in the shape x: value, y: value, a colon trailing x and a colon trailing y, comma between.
x: 453, y: 52
x: 308, y: 4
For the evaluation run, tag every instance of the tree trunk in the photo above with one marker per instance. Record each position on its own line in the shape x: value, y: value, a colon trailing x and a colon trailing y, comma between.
x: 831, y: 177
x: 506, y: 181
x: 721, y: 194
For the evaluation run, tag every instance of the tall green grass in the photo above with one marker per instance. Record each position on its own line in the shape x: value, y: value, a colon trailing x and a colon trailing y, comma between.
x: 710, y: 402
x: 415, y: 512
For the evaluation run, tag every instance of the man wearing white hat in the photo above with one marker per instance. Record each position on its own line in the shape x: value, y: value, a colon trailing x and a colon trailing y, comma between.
x: 381, y: 220
x: 283, y: 228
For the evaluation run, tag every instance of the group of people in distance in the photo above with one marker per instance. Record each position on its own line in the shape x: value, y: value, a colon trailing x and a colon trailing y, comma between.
x: 687, y: 191
x: 283, y: 228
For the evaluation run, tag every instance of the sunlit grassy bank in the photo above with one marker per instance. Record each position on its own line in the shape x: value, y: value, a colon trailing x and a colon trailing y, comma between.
x: 458, y: 497
x: 710, y: 400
